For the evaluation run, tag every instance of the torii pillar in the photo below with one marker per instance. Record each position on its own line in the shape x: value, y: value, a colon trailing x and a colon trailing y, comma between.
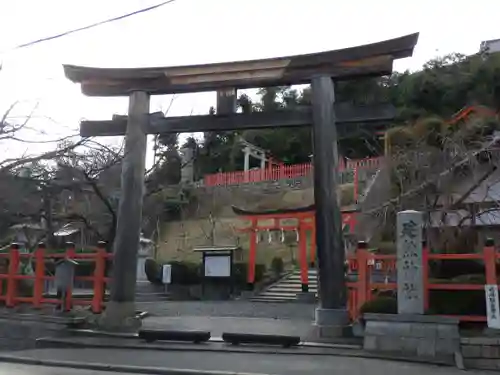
x: 120, y: 310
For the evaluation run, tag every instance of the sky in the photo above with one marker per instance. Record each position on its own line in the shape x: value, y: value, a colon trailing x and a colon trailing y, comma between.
x: 194, y: 32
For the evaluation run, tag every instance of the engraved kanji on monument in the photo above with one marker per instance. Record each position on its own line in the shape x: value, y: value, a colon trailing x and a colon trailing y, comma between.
x: 409, y: 262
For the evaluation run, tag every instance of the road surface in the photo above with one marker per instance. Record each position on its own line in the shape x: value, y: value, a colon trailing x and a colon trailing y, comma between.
x: 277, y: 364
x: 15, y: 369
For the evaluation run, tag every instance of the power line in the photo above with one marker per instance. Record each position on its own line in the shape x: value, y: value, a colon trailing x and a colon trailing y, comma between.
x: 143, y: 10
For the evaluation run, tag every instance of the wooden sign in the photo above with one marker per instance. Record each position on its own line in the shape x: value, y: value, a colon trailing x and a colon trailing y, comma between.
x: 492, y: 306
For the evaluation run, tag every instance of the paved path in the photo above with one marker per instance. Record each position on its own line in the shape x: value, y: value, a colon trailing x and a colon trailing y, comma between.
x: 218, y: 325
x: 277, y: 364
x: 295, y: 311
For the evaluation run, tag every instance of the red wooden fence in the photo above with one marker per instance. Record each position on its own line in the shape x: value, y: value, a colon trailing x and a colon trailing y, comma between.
x: 365, y: 262
x: 278, y: 172
x: 10, y: 294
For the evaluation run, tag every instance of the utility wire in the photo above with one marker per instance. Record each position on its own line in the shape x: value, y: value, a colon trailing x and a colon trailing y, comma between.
x: 29, y: 44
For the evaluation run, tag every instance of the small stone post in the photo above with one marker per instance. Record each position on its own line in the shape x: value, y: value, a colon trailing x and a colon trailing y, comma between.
x: 409, y: 262
x: 246, y: 165
x: 263, y: 161
x: 187, y: 165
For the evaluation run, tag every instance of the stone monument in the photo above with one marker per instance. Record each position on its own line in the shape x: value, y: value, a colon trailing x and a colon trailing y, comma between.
x: 410, y: 333
x: 145, y: 251
x: 409, y: 262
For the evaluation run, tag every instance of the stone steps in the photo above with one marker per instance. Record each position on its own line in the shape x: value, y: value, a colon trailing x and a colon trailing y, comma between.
x: 288, y: 288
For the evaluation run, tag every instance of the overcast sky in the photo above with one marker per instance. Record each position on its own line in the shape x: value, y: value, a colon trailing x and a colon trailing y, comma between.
x: 203, y: 31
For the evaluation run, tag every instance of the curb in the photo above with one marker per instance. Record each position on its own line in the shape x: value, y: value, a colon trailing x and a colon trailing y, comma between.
x: 89, y: 333
x: 42, y: 343
x: 114, y: 368
x: 348, y: 353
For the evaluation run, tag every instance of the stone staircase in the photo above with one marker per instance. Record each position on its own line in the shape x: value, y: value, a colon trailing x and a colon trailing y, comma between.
x: 287, y: 289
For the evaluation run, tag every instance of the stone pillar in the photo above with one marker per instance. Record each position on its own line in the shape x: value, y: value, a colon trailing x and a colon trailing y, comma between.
x: 409, y: 262
x: 246, y: 165
x: 120, y: 311
x: 263, y: 161
x: 143, y: 254
x: 187, y: 165
x: 331, y: 315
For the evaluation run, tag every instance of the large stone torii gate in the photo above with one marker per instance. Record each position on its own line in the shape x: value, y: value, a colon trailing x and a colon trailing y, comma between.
x: 328, y: 122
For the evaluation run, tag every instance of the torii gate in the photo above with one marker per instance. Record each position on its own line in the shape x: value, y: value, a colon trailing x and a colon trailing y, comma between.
x: 328, y: 120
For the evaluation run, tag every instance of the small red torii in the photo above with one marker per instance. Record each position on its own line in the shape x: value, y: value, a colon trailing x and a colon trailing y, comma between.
x: 305, y: 217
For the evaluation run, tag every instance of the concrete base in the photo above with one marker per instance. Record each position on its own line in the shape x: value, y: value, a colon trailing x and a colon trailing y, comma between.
x: 331, y: 323
x: 247, y: 294
x: 306, y: 297
x: 119, y: 317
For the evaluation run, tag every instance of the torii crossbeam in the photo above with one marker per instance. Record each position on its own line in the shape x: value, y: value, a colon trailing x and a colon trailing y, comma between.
x: 319, y: 69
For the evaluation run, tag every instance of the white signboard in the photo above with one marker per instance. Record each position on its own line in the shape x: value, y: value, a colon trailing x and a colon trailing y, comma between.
x: 166, y: 277
x: 492, y: 306
x: 218, y: 266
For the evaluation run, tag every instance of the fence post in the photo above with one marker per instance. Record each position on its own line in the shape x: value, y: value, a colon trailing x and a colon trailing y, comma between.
x: 490, y: 261
x: 11, y: 280
x: 304, y: 269
x: 356, y: 184
x: 70, y: 254
x: 251, y: 256
x: 39, y: 275
x: 425, y: 273
x: 313, y: 243
x: 363, y: 283
x: 99, y: 275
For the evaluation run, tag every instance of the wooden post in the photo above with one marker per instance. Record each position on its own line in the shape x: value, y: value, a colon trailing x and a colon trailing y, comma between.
x: 99, y: 275
x: 120, y: 311
x: 313, y: 244
x: 363, y: 283
x: 68, y: 298
x: 252, y: 255
x: 10, y: 300
x: 304, y: 269
x: 39, y: 275
x: 331, y: 313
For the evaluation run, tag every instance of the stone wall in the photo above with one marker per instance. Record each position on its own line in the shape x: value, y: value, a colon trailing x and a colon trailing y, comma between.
x: 481, y: 352
x: 424, y: 337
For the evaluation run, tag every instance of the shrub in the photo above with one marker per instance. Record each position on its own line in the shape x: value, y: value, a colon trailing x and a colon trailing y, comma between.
x: 380, y: 305
x: 457, y: 302
x: 241, y: 272
x: 153, y: 271
x: 277, y: 265
x: 185, y: 273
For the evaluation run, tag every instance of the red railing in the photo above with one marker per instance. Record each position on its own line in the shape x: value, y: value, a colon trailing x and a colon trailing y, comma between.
x: 364, y: 262
x: 10, y: 295
x: 278, y: 172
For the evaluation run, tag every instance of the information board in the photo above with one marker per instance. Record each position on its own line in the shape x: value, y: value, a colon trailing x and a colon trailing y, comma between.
x: 218, y: 266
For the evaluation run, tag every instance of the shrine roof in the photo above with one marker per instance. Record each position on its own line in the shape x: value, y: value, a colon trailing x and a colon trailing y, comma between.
x: 374, y: 59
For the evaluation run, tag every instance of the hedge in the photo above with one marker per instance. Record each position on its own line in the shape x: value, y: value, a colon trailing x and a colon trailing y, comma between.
x: 188, y: 273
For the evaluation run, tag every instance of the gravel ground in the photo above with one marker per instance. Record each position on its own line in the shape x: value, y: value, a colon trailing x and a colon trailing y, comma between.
x: 295, y: 311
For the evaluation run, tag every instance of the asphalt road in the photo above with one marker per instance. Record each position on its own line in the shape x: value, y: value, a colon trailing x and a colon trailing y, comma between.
x: 277, y: 364
x: 15, y: 369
